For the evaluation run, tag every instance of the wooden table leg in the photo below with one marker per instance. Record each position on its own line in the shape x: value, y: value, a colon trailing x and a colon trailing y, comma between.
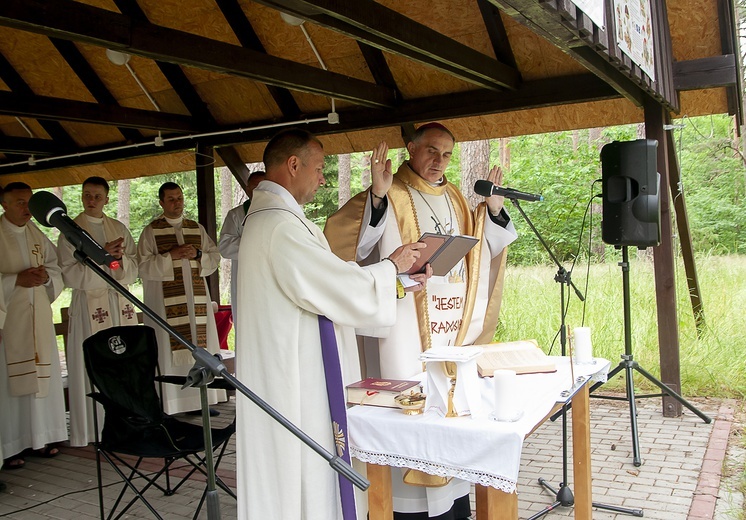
x: 380, y: 502
x: 493, y: 504
x: 581, y: 454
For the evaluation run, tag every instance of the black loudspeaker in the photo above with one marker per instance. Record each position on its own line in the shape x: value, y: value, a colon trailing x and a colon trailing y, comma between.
x: 631, y: 189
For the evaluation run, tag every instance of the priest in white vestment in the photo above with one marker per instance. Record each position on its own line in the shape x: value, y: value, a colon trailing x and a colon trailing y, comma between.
x: 230, y: 238
x: 95, y: 305
x: 460, y: 308
x: 288, y: 277
x: 176, y: 255
x: 32, y: 407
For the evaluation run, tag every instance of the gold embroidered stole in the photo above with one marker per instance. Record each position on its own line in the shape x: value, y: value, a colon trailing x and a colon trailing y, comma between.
x: 27, y: 335
x: 99, y: 310
x: 404, y: 208
x: 174, y: 292
x: 345, y: 226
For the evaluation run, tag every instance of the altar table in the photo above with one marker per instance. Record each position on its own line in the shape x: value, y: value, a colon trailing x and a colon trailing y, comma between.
x: 477, y: 449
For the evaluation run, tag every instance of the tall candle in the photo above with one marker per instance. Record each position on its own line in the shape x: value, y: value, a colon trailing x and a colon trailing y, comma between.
x: 505, y: 390
x: 582, y: 344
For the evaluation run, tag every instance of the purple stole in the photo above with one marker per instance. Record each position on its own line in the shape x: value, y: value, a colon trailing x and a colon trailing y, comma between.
x: 338, y: 409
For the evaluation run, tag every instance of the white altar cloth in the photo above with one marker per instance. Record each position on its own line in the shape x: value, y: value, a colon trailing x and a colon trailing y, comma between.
x: 476, y: 449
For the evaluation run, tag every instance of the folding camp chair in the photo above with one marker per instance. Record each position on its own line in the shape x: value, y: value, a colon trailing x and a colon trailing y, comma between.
x: 122, y: 363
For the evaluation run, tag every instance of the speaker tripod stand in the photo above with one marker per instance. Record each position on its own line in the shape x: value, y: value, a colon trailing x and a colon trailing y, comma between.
x: 629, y: 365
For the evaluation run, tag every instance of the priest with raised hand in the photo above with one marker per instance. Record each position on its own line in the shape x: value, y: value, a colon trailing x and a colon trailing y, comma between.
x: 32, y: 406
x: 176, y: 255
x: 296, y: 348
x: 460, y: 308
x: 95, y: 305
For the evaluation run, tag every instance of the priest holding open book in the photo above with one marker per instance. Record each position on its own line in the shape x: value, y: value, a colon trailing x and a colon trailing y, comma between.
x: 460, y: 308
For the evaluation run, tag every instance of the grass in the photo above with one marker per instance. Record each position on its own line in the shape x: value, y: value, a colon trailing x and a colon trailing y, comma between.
x: 713, y: 364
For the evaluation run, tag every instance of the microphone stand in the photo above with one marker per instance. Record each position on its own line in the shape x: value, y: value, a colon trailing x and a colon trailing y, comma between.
x: 563, y: 496
x: 205, y: 368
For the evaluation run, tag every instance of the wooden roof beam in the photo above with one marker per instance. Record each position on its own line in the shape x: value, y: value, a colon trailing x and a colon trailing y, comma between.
x: 533, y: 94
x: 378, y: 26
x: 716, y: 71
x: 531, y: 14
x: 29, y: 145
x: 79, y: 22
x: 245, y: 33
x: 18, y: 85
x: 72, y: 55
x: 49, y: 108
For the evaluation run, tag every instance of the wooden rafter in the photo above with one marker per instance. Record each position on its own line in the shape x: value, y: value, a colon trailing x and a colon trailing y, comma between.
x: 49, y: 108
x: 71, y: 20
x: 17, y: 85
x: 533, y: 94
x: 28, y: 145
x: 385, y: 29
x: 90, y: 79
x: 243, y: 30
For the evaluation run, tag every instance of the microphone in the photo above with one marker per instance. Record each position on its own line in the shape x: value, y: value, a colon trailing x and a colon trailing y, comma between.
x: 52, y: 212
x: 487, y: 189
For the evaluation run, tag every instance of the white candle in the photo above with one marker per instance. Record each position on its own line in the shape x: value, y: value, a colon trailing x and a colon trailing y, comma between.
x: 505, y: 391
x: 582, y: 345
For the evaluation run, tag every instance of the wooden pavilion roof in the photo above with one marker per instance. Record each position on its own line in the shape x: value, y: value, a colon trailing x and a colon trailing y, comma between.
x: 225, y: 72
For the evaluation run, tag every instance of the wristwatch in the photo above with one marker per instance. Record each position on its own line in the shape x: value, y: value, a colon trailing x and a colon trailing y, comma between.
x: 199, y: 254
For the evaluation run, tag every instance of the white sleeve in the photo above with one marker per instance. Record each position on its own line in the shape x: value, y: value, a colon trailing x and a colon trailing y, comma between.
x: 498, y: 237
x: 230, y: 234
x: 370, y: 235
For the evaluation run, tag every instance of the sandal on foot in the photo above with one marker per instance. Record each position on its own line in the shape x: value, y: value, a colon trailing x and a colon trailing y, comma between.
x: 14, y: 463
x: 47, y: 452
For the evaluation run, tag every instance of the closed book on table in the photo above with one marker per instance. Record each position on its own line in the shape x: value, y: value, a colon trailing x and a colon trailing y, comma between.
x: 523, y: 357
x: 379, y: 392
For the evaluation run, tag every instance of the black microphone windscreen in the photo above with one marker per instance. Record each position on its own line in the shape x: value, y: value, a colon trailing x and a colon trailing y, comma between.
x: 41, y: 203
x: 483, y: 188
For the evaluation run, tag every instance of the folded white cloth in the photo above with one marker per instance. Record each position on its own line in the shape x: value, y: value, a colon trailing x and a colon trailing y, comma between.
x: 466, y: 395
x: 451, y: 353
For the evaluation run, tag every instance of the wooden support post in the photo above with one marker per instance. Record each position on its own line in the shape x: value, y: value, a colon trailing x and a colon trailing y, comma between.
x: 685, y: 236
x: 663, y: 258
x: 205, y: 169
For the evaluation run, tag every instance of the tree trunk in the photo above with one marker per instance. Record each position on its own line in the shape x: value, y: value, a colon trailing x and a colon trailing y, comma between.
x: 598, y: 249
x: 475, y: 164
x: 504, y: 153
x: 575, y: 140
x: 365, y: 171
x: 123, y: 202
x: 344, y: 173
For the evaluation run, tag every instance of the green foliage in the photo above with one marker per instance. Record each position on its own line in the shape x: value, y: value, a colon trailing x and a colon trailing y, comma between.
x: 712, y: 364
x: 562, y: 166
x: 713, y: 183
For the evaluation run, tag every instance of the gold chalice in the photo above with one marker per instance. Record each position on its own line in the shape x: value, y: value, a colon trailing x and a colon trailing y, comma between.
x: 450, y: 369
x: 412, y: 403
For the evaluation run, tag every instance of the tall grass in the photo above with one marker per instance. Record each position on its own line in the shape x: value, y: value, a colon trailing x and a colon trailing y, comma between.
x: 713, y: 364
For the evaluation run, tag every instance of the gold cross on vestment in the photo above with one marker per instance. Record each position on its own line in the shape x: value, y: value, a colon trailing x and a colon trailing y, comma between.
x: 38, y: 252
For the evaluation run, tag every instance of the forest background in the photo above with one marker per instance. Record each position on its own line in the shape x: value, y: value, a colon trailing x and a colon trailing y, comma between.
x: 565, y: 168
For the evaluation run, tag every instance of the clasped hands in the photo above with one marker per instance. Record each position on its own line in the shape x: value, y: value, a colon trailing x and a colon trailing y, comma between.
x: 32, y: 277
x: 115, y: 248
x: 184, y: 251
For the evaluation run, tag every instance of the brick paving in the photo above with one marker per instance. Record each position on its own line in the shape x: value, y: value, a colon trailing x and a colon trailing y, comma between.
x: 678, y: 480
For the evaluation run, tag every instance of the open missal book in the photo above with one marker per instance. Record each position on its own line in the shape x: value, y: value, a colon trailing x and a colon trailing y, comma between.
x: 379, y: 392
x: 525, y: 357
x: 443, y: 252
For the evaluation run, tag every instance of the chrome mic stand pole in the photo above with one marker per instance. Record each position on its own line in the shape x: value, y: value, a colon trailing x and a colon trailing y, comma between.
x: 563, y: 496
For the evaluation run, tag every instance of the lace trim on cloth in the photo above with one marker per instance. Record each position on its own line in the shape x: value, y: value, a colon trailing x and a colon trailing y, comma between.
x: 441, y: 470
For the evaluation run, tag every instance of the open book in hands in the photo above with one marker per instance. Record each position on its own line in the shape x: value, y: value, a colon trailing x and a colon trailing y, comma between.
x: 524, y: 357
x: 443, y: 252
